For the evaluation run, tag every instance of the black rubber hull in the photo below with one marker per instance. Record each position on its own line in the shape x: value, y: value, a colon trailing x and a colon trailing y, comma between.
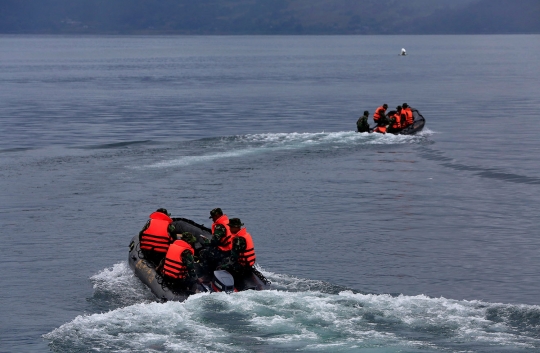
x: 146, y: 272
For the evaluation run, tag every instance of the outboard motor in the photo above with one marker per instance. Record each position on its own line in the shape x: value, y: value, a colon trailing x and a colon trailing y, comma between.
x: 223, y: 282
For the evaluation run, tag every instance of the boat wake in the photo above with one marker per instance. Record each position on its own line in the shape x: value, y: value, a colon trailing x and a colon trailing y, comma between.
x: 298, y: 315
x: 244, y: 145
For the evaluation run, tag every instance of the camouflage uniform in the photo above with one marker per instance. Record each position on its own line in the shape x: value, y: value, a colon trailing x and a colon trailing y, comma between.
x: 154, y: 256
x: 362, y: 124
x: 231, y: 263
x: 189, y: 261
x: 212, y: 255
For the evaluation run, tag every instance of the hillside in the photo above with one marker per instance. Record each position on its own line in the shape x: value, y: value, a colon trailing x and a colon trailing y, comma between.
x: 269, y: 16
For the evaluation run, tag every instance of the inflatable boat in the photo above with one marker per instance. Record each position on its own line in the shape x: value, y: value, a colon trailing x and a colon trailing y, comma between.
x: 417, y: 126
x: 216, y: 281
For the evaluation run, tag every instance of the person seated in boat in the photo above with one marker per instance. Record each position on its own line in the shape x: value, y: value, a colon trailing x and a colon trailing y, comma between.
x: 362, y: 124
x: 396, y: 120
x: 381, y: 127
x: 242, y: 258
x: 380, y: 114
x: 218, y: 248
x: 178, y: 266
x: 409, y: 118
x: 217, y: 216
x: 155, y: 236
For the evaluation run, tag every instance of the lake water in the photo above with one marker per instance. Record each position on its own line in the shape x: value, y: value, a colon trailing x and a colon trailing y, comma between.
x: 373, y: 243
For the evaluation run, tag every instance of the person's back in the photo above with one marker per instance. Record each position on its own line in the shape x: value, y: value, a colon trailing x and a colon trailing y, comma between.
x: 243, y: 256
x: 178, y: 267
x: 217, y: 249
x: 155, y: 236
x: 397, y: 119
x: 381, y: 129
x: 409, y: 117
x: 362, y: 124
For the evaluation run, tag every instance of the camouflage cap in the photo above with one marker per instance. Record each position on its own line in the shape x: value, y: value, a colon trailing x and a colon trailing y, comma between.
x: 188, y: 238
x: 216, y: 211
x: 163, y: 210
x: 235, y: 222
x: 220, y: 229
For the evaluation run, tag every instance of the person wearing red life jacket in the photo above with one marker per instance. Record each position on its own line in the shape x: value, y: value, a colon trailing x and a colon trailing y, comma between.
x: 217, y: 216
x: 380, y: 114
x: 397, y: 120
x: 178, y: 266
x: 218, y: 248
x: 409, y: 118
x: 242, y: 258
x: 155, y: 236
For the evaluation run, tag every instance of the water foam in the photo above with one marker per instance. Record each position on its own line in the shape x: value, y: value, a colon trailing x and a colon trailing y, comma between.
x: 240, y: 146
x: 294, y: 317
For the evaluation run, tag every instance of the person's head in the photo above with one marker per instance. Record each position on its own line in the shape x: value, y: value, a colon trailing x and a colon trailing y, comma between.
x: 216, y: 213
x: 366, y: 113
x: 385, y: 106
x: 220, y: 230
x: 164, y: 211
x: 187, y: 237
x: 235, y: 224
x: 398, y: 108
x: 405, y: 105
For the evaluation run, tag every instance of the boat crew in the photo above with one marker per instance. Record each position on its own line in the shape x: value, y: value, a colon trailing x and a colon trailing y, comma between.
x: 409, y: 118
x: 217, y: 216
x: 381, y: 129
x: 242, y: 258
x: 380, y: 113
x: 155, y: 236
x: 397, y: 119
x: 362, y: 124
x: 178, y: 267
x: 218, y: 248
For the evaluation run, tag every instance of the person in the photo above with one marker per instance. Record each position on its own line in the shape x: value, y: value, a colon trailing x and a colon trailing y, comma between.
x: 409, y: 118
x: 381, y: 128
x: 218, y: 248
x: 397, y: 119
x: 380, y: 114
x: 178, y: 266
x: 242, y: 258
x: 362, y: 124
x: 217, y: 216
x: 155, y: 236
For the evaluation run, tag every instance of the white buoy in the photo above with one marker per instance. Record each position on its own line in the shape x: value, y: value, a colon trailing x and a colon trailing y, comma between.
x: 403, y: 52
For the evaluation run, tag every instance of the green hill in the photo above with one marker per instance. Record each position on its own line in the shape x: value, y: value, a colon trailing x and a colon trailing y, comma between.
x: 269, y: 16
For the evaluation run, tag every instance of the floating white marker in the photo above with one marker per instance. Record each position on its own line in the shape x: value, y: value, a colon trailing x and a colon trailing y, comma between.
x: 403, y: 52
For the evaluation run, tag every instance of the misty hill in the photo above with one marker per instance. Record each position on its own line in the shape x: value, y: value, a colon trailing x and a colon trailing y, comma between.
x: 270, y: 16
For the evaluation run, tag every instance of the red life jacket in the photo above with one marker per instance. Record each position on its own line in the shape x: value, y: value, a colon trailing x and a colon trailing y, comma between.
x: 399, y: 118
x: 156, y: 236
x: 378, y: 113
x: 174, y: 267
x: 380, y: 129
x: 247, y: 257
x: 225, y: 243
x: 408, y: 116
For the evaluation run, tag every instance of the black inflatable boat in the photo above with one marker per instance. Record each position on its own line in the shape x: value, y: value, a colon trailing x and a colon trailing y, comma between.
x: 217, y: 281
x: 417, y: 126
